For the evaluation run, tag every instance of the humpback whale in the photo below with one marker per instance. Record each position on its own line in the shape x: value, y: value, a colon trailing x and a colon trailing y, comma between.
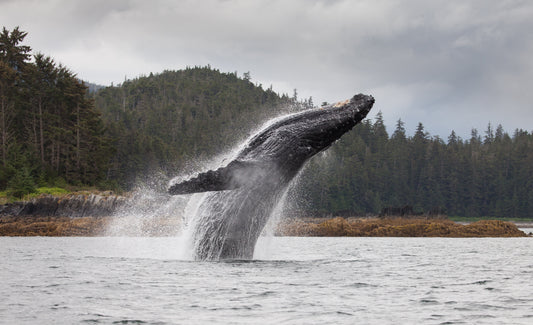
x: 243, y: 194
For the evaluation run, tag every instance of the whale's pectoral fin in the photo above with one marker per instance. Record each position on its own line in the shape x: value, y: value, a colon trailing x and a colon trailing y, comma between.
x: 224, y: 178
x: 208, y: 181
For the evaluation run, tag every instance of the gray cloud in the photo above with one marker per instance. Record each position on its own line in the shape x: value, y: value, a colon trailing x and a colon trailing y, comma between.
x: 449, y: 64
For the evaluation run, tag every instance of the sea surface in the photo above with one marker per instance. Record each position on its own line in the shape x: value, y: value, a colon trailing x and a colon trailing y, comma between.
x: 292, y: 280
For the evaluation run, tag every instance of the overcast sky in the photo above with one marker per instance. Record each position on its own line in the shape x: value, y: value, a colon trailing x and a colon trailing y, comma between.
x: 448, y: 64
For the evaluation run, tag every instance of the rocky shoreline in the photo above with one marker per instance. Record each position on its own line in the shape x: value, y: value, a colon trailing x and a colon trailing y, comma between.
x: 337, y: 227
x: 75, y: 205
x: 90, y: 214
x: 396, y: 227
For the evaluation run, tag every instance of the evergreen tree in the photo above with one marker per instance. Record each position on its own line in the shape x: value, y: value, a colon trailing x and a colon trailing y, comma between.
x: 48, y: 127
x: 21, y: 184
x: 53, y: 130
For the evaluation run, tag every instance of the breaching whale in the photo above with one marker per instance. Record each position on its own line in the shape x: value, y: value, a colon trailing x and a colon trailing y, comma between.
x: 244, y: 193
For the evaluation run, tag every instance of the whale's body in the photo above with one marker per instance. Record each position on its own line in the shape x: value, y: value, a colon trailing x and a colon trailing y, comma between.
x: 244, y: 193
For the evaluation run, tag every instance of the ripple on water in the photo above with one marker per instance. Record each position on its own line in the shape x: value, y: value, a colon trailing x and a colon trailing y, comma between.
x: 96, y: 280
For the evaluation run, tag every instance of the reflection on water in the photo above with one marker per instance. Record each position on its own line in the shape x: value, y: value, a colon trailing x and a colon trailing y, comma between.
x: 292, y: 280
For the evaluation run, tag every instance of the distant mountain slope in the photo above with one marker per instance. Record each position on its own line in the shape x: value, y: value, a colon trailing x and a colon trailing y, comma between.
x: 171, y: 121
x: 160, y: 122
x: 92, y: 87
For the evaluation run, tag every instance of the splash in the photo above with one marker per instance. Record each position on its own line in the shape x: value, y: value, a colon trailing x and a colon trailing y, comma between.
x: 148, y: 212
x: 243, y: 195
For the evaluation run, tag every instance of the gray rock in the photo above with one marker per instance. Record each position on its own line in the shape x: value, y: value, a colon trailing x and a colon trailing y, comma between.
x: 72, y: 205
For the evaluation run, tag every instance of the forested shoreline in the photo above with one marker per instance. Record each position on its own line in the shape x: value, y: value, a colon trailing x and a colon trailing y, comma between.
x: 489, y: 175
x: 55, y: 132
x: 50, y: 131
x: 176, y: 120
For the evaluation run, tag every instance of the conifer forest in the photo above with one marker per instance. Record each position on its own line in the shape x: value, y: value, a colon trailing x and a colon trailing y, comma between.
x: 56, y: 130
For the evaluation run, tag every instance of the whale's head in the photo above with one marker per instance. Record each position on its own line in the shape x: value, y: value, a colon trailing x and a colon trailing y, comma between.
x: 322, y: 127
x: 294, y: 139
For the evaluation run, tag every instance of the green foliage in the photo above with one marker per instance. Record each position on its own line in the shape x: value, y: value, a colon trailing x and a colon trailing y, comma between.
x: 48, y: 126
x: 51, y: 190
x: 55, y: 133
x: 60, y: 182
x: 366, y: 171
x: 109, y: 185
x: 164, y: 122
x: 21, y: 184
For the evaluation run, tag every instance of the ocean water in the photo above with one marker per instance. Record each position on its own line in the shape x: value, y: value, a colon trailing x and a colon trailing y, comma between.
x: 291, y: 281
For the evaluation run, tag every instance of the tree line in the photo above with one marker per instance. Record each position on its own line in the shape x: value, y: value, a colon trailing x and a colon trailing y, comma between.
x: 176, y: 120
x: 487, y: 175
x: 56, y: 131
x: 50, y: 131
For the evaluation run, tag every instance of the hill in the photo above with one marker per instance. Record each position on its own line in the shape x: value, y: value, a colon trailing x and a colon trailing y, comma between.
x: 368, y: 172
x: 166, y: 122
x: 57, y: 132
